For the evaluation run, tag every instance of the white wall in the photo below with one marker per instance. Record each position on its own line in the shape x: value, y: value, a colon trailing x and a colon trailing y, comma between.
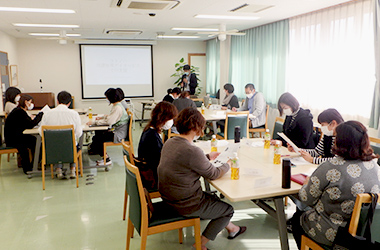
x: 8, y: 44
x: 59, y: 68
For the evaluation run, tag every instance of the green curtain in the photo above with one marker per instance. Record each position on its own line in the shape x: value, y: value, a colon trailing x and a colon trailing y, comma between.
x: 260, y: 58
x: 213, y: 66
x: 375, y: 111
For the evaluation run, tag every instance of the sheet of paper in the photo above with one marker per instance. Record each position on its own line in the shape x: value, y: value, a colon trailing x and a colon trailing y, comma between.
x: 257, y: 144
x: 296, y: 149
x: 227, y: 154
x: 298, y: 161
x: 45, y: 108
x: 215, y: 107
x: 263, y: 182
x: 252, y: 171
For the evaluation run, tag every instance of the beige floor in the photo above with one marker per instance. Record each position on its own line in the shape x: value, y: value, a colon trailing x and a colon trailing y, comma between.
x: 90, y: 217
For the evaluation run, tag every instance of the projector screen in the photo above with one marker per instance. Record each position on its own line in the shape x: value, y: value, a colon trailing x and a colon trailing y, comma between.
x: 129, y: 67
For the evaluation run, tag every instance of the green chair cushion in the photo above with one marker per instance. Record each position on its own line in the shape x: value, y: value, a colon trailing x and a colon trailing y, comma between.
x: 376, y: 150
x: 163, y: 213
x: 234, y: 121
x: 59, y: 146
x: 277, y: 128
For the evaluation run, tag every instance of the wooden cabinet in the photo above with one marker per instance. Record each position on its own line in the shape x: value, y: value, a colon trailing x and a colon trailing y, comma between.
x: 40, y: 99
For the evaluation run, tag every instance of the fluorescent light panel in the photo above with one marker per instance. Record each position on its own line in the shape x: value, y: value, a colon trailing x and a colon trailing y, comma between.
x: 227, y: 17
x: 51, y: 34
x: 37, y: 25
x: 196, y: 29
x: 16, y: 9
x: 180, y: 37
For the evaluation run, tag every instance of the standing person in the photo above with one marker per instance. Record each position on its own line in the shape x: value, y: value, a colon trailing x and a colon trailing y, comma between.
x: 18, y: 121
x: 298, y: 125
x: 255, y: 103
x: 62, y: 115
x: 230, y: 100
x: 117, y: 120
x: 181, y: 166
x: 332, y: 188
x: 329, y: 120
x: 184, y: 101
x: 12, y: 97
x: 189, y: 80
x: 150, y: 144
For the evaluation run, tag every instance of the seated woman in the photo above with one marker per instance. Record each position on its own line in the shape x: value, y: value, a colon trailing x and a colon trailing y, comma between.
x: 230, y: 100
x: 150, y: 144
x: 184, y: 101
x: 12, y: 97
x: 172, y: 94
x: 181, y: 166
x: 332, y: 188
x: 329, y: 120
x: 117, y: 120
x: 298, y: 125
x: 15, y: 124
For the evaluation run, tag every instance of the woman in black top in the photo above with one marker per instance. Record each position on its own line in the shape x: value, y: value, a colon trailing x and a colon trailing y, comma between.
x: 172, y: 94
x: 298, y: 125
x: 17, y: 121
x: 150, y: 144
x: 230, y: 100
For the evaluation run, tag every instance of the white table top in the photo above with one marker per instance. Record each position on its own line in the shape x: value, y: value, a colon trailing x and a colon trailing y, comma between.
x: 36, y: 111
x: 85, y: 127
x: 251, y: 186
x: 214, y: 115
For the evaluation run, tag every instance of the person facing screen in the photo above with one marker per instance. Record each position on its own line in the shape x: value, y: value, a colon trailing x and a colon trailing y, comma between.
x: 117, y: 120
x: 184, y: 101
x: 329, y: 120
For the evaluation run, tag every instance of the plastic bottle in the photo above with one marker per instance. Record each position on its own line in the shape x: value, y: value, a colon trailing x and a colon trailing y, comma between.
x: 89, y: 113
x: 267, y: 139
x: 203, y: 108
x: 235, y: 167
x: 214, y: 143
x: 277, y: 153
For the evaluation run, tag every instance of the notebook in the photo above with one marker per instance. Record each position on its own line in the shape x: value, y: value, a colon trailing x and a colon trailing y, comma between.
x: 299, y: 178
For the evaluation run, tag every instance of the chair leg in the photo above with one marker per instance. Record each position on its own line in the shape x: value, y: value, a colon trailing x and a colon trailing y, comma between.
x: 81, y: 164
x: 180, y: 235
x: 105, y: 152
x: 52, y: 171
x: 43, y: 176
x: 197, y: 234
x: 125, y: 203
x: 286, y: 201
x: 76, y: 172
x: 144, y: 236
x: 129, y: 233
x: 9, y: 157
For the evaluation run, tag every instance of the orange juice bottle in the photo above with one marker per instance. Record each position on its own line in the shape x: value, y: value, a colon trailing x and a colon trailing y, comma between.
x: 90, y: 113
x: 214, y: 144
x: 235, y: 167
x: 267, y: 139
x: 277, y: 153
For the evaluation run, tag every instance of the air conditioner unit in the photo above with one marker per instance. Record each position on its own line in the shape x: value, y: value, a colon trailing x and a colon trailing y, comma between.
x: 145, y: 4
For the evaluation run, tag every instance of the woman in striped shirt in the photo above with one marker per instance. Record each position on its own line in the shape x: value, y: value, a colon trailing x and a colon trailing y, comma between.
x: 329, y: 120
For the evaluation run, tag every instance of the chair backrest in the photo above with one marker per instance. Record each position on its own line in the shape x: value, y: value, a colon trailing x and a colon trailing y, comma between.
x: 129, y: 137
x: 58, y: 144
x: 278, y: 124
x: 375, y: 147
x: 359, y: 215
x: 72, y: 105
x: 170, y: 134
x: 234, y: 119
x: 138, y: 210
x: 127, y: 151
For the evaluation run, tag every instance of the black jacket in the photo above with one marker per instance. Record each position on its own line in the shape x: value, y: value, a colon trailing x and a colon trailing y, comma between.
x: 300, y: 131
x: 168, y: 98
x: 17, y: 121
x: 149, y: 150
x: 192, y: 84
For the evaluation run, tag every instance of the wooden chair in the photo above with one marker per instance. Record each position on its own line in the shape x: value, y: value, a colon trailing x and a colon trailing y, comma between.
x: 7, y: 150
x: 59, y: 146
x: 261, y: 130
x: 198, y: 101
x: 307, y: 243
x: 127, y: 151
x: 170, y: 134
x: 163, y: 219
x: 375, y: 147
x: 235, y: 119
x: 128, y: 139
x: 277, y: 127
x: 72, y: 104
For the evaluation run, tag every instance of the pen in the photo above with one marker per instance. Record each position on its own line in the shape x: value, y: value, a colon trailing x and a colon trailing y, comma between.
x: 285, y: 155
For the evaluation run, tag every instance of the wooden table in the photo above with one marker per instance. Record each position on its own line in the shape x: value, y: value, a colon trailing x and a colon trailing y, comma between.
x: 260, y: 179
x: 214, y: 116
x: 146, y: 105
x: 35, y: 132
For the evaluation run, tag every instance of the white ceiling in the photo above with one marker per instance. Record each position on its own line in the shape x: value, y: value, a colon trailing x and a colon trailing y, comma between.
x: 96, y: 16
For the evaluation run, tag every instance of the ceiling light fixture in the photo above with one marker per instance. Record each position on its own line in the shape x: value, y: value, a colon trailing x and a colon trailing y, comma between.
x: 180, y: 37
x: 196, y: 29
x: 36, y: 25
x: 57, y: 11
x: 52, y: 34
x: 227, y: 17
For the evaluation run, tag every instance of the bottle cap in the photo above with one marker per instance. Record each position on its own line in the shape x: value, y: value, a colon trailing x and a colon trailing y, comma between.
x: 267, y: 130
x: 278, y: 143
x: 235, y: 154
x: 213, y: 136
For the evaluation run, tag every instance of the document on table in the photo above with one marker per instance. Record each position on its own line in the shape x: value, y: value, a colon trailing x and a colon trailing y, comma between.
x: 298, y: 161
x: 227, y: 154
x: 45, y: 108
x: 296, y: 149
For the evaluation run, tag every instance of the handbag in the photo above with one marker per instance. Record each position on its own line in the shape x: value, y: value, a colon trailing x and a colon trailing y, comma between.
x: 345, y: 239
x: 146, y: 173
